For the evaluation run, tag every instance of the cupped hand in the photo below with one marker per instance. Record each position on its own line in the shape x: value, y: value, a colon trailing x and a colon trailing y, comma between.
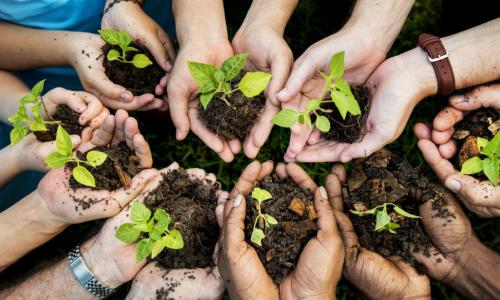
x: 273, y: 55
x: 375, y: 276
x: 480, y: 197
x: 182, y: 94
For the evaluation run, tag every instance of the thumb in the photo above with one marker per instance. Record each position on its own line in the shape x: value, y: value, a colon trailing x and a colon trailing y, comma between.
x: 370, y: 143
x: 475, y: 192
x: 234, y: 223
x: 280, y: 69
x: 302, y: 71
x: 178, y: 98
x: 139, y: 182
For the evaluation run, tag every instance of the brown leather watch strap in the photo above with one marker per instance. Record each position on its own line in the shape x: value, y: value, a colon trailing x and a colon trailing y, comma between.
x: 438, y: 57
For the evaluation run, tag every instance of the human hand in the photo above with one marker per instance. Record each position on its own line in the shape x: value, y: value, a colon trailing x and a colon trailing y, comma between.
x: 182, y: 98
x: 271, y: 55
x: 375, y: 276
x: 480, y: 197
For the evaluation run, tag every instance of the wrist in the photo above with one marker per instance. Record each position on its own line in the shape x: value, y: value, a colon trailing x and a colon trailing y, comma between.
x: 273, y: 15
x: 46, y: 221
x: 13, y: 161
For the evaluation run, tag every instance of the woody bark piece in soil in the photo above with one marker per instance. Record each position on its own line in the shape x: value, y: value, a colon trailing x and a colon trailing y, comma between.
x: 125, y: 179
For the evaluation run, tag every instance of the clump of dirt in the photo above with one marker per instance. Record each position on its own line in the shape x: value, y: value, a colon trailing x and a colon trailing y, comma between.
x: 116, y: 172
x: 385, y: 177
x: 293, y: 208
x: 232, y: 121
x: 484, y: 123
x: 352, y: 128
x: 138, y: 81
x: 191, y: 204
x: 69, y: 121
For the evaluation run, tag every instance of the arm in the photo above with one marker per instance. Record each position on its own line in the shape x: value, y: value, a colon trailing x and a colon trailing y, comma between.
x: 274, y: 14
x: 11, y: 90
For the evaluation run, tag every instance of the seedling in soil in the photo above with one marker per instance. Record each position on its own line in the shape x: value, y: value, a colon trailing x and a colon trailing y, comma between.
x: 20, y: 120
x: 382, y: 219
x: 212, y: 81
x: 489, y: 165
x: 340, y: 94
x: 122, y: 39
x: 64, y: 154
x: 155, y: 228
x: 262, y: 220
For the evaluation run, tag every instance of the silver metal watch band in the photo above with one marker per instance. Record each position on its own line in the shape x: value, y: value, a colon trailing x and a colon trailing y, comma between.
x: 85, y: 277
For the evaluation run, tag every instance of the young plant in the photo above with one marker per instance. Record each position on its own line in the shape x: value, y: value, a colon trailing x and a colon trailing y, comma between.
x: 340, y: 94
x: 122, y: 39
x: 158, y: 237
x: 261, y: 195
x: 489, y: 165
x: 212, y: 81
x: 382, y: 218
x: 21, y: 121
x: 64, y: 154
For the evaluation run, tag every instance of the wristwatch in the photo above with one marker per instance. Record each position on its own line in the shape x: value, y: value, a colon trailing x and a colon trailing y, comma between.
x: 85, y: 276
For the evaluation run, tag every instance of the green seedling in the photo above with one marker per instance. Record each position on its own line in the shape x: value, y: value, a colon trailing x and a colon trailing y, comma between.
x: 20, y: 120
x: 64, y: 154
x: 382, y: 218
x: 155, y: 228
x: 489, y: 165
x: 340, y: 94
x: 212, y: 81
x: 261, y: 195
x: 122, y: 39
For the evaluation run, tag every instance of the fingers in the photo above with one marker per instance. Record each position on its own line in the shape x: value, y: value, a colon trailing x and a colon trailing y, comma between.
x: 139, y: 182
x: 303, y: 70
x: 482, y: 96
x: 326, y: 151
x: 136, y: 102
x: 300, y: 177
x: 101, y: 84
x: 446, y: 118
x: 441, y: 166
x: 260, y: 131
x: 334, y: 191
x: 93, y: 110
x: 247, y: 179
x: 280, y: 69
x: 222, y: 198
x: 422, y: 131
x: 142, y: 150
x: 234, y: 223
x: 326, y: 218
x: 349, y: 237
x: 104, y: 134
x: 475, y: 192
x: 178, y: 96
x: 61, y: 96
x: 121, y: 117
x: 166, y: 44
x: 339, y: 170
x: 153, y: 43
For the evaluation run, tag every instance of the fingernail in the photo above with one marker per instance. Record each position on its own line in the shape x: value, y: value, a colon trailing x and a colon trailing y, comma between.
x: 458, y: 99
x: 168, y: 66
x: 237, y: 201
x: 126, y: 96
x: 75, y: 140
x: 178, y: 134
x: 322, y: 192
x: 453, y: 185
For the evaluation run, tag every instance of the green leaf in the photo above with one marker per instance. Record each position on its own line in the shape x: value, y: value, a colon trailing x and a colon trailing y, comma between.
x: 201, y: 73
x: 254, y: 83
x: 205, y: 99
x: 313, y: 104
x: 343, y: 86
x: 270, y: 219
x: 257, y: 236
x: 481, y: 143
x: 404, y: 213
x: 301, y: 118
x: 472, y: 166
x: 337, y: 66
x: 63, y: 141
x: 307, y: 120
x: 163, y: 218
x: 207, y: 87
x: 363, y: 213
x: 286, y: 118
x: 115, y: 37
x: 173, y: 240
x: 158, y: 247
x: 322, y: 123
x: 261, y: 195
x: 140, y: 213
x: 56, y: 160
x: 381, y: 220
x: 124, y: 39
x: 141, y: 61
x: 493, y: 147
x: 345, y: 104
x: 144, y: 248
x: 131, y: 49
x: 112, y: 55
x: 17, y: 133
x: 37, y: 89
x: 28, y: 99
x: 142, y: 227
x: 155, y: 233
x: 38, y: 124
x: 83, y: 176
x: 392, y: 226
x: 491, y: 169
x: 233, y: 65
x: 96, y: 158
x: 127, y: 233
x: 219, y: 75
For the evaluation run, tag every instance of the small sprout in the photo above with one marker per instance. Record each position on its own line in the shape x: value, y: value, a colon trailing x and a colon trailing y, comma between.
x: 64, y: 154
x: 261, y: 195
x: 382, y: 219
x: 340, y: 93
x: 155, y: 227
x: 20, y: 120
x: 122, y: 39
x: 489, y: 165
x: 212, y: 81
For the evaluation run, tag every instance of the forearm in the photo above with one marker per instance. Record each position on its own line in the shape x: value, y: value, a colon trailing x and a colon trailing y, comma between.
x: 274, y: 14
x: 199, y: 20
x: 11, y: 90
x: 25, y: 226
x: 10, y: 169
x: 54, y: 282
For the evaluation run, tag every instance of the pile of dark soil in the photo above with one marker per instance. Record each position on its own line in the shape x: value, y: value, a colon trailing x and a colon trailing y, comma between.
x: 293, y: 207
x: 116, y: 172
x: 138, y: 81
x: 484, y: 122
x: 351, y: 129
x: 69, y: 120
x: 235, y: 121
x: 386, y: 177
x: 192, y: 208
